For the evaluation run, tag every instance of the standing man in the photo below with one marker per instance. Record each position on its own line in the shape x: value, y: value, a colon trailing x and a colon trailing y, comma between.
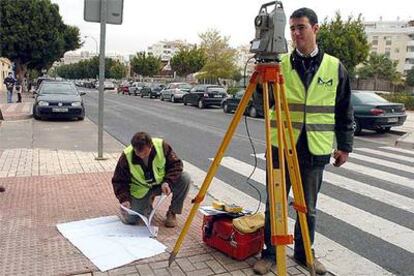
x: 318, y: 93
x: 147, y: 168
x: 9, y: 81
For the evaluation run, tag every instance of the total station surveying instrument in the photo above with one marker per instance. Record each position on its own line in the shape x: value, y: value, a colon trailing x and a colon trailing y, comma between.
x: 269, y: 42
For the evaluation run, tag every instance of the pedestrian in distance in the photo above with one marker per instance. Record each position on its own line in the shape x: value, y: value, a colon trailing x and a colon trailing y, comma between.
x: 9, y: 81
x: 18, y: 88
x: 318, y: 93
x: 147, y: 168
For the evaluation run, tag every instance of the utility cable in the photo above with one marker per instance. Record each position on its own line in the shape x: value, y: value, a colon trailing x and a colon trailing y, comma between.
x: 252, y: 146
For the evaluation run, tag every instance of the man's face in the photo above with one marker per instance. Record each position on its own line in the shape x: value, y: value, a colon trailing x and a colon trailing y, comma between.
x: 145, y: 152
x: 303, y: 34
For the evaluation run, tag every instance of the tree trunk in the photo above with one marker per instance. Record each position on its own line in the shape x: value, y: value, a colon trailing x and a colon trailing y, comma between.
x: 21, y: 70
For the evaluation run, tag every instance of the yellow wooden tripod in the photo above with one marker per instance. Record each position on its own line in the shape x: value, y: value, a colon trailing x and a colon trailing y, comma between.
x: 267, y: 74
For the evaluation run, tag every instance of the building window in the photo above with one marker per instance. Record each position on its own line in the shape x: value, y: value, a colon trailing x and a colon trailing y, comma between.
x: 387, y: 53
x: 374, y: 50
x: 409, y: 61
x: 410, y: 48
x: 375, y: 42
x: 388, y: 42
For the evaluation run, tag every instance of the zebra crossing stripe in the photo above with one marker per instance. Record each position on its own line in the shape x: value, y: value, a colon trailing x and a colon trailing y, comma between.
x: 387, y: 197
x: 328, y: 251
x: 387, y: 154
x: 399, y: 150
x: 400, y: 180
x: 393, y: 178
x: 383, y: 162
x: 374, y: 225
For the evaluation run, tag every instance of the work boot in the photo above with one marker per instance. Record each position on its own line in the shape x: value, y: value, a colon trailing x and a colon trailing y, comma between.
x: 320, y: 269
x: 262, y: 266
x: 2, y: 189
x: 171, y: 220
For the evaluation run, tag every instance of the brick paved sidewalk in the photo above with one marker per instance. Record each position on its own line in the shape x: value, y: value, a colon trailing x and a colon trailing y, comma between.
x: 31, y: 245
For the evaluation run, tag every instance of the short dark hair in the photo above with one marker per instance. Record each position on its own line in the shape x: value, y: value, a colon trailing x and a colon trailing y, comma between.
x: 140, y: 140
x: 306, y: 12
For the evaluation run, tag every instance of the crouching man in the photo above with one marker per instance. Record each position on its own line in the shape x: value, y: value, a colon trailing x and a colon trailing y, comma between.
x: 147, y: 168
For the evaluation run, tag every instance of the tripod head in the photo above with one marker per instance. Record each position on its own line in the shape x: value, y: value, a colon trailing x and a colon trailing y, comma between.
x: 269, y: 40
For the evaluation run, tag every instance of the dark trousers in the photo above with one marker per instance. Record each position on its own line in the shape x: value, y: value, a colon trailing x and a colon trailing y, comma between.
x: 311, y: 182
x: 144, y: 205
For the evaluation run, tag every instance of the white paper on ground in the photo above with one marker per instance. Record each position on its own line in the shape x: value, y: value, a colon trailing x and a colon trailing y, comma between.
x: 109, y: 243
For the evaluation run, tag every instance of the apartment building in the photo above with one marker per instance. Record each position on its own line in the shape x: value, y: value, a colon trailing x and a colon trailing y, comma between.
x: 5, y: 68
x: 166, y: 49
x: 394, y: 39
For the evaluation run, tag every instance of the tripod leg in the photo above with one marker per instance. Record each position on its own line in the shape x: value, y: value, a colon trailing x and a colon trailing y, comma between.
x: 216, y: 162
x: 295, y: 178
x: 277, y: 186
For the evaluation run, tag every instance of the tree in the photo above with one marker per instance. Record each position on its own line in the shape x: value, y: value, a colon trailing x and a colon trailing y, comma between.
x: 220, y: 57
x: 145, y: 65
x: 33, y: 34
x: 379, y: 66
x: 345, y: 40
x: 187, y: 61
x: 410, y: 77
x: 117, y: 71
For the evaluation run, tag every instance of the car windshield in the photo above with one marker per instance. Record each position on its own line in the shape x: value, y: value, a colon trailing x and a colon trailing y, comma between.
x: 58, y: 88
x: 216, y: 89
x: 367, y: 98
x: 184, y: 86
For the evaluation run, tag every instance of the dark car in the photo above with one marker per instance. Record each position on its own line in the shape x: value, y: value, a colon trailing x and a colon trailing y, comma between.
x: 152, y: 90
x: 376, y: 113
x: 58, y: 100
x: 205, y: 95
x: 231, y: 103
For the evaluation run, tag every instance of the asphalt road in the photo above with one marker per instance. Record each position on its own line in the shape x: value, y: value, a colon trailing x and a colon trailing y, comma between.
x: 384, y: 201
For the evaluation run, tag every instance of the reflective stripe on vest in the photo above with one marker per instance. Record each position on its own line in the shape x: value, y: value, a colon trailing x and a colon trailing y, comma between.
x: 312, y: 110
x: 139, y: 186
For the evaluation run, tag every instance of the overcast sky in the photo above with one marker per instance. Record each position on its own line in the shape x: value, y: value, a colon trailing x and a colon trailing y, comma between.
x: 148, y: 21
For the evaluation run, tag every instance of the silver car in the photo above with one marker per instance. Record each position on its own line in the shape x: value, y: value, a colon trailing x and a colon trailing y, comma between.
x: 175, y: 91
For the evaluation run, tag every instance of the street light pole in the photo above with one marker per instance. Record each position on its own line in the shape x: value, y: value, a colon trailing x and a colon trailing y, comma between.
x: 101, y: 79
x: 96, y: 43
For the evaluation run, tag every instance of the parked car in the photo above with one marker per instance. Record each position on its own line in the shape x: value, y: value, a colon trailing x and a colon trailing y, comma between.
x: 58, y: 100
x: 175, y: 91
x: 138, y: 87
x: 231, y: 103
x: 205, y: 95
x: 152, y: 90
x: 109, y: 85
x: 375, y: 113
x: 125, y: 88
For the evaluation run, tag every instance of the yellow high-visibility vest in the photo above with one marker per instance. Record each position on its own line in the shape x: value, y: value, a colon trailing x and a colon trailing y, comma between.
x: 312, y: 110
x: 139, y: 186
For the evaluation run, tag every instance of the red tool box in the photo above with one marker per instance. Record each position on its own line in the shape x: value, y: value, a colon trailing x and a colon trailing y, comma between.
x: 219, y: 233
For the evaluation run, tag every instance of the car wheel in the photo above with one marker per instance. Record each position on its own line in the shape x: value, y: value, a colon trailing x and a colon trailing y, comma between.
x: 81, y: 118
x: 162, y: 98
x: 226, y: 108
x: 35, y: 116
x: 173, y: 99
x: 184, y: 102
x: 200, y: 104
x: 253, y: 112
x: 357, y: 127
x: 142, y: 95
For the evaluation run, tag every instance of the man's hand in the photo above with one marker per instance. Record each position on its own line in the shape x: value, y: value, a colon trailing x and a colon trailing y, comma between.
x: 340, y: 157
x: 165, y: 188
x: 126, y: 204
